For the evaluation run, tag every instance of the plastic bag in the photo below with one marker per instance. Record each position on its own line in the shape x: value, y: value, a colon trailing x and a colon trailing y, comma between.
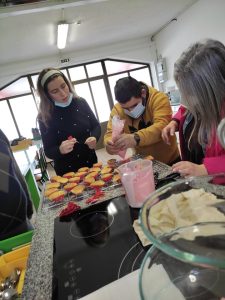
x: 117, y: 130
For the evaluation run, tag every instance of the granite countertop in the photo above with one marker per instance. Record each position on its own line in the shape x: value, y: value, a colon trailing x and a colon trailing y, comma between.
x: 38, y: 280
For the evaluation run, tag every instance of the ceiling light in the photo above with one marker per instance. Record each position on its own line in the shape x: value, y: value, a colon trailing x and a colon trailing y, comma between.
x: 62, y: 35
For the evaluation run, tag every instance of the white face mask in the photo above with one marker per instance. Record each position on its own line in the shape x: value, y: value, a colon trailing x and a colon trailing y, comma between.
x: 65, y: 104
x: 136, y: 112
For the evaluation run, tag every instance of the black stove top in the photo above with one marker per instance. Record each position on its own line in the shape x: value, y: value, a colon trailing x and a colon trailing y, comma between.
x: 94, y: 247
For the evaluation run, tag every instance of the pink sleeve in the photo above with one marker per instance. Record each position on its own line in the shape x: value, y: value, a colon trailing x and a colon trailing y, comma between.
x: 178, y: 115
x: 215, y: 164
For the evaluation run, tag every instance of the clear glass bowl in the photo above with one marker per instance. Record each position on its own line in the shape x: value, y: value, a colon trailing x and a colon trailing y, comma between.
x: 201, y: 243
x: 163, y: 277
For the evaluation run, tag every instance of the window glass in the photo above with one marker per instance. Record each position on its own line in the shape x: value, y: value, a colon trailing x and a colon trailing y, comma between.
x: 142, y: 75
x: 77, y: 73
x: 19, y: 87
x: 94, y: 69
x: 64, y: 72
x: 6, y: 121
x: 112, y: 83
x: 36, y: 97
x: 34, y: 80
x: 117, y: 66
x: 83, y: 91
x: 101, y: 99
x: 19, y: 105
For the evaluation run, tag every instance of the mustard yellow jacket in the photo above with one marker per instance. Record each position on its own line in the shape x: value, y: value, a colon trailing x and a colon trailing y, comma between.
x: 157, y: 115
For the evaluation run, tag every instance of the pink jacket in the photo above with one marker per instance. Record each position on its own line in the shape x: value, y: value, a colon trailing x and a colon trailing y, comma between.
x: 214, y: 160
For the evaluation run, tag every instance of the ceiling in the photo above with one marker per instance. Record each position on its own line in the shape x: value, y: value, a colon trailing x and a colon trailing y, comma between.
x: 28, y: 31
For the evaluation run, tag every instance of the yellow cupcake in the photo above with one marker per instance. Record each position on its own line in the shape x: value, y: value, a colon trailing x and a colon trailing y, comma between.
x: 69, y: 175
x: 84, y: 169
x: 50, y: 191
x: 52, y: 185
x: 98, y: 183
x: 78, y: 190
x: 69, y: 186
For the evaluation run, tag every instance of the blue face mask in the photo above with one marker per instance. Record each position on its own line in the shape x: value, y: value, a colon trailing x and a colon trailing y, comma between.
x: 67, y: 103
x: 136, y: 112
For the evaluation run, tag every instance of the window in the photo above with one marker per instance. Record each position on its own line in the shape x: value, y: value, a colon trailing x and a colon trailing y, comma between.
x: 94, y: 69
x: 18, y: 87
x: 112, y: 83
x: 77, y: 73
x: 83, y: 91
x: 65, y: 73
x: 118, y: 66
x: 34, y: 80
x: 6, y: 121
x: 142, y: 75
x: 93, y: 81
x: 101, y: 100
x: 25, y: 123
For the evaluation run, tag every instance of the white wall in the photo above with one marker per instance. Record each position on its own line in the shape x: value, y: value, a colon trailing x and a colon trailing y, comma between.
x: 139, y: 50
x: 205, y: 19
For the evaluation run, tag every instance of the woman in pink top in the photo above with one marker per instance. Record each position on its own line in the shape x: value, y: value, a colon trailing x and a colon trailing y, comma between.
x: 200, y: 77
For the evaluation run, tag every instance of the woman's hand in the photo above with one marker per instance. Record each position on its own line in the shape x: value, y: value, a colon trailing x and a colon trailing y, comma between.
x: 187, y: 168
x: 91, y: 142
x: 67, y: 146
x: 168, y: 131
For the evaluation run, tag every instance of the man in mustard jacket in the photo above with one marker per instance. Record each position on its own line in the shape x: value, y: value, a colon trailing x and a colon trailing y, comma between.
x: 146, y: 112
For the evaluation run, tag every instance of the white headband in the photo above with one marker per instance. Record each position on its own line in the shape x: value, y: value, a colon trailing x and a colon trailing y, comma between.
x: 49, y: 74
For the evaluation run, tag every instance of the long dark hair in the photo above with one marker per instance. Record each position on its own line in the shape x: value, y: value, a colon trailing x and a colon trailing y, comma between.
x: 46, y: 104
x: 200, y: 77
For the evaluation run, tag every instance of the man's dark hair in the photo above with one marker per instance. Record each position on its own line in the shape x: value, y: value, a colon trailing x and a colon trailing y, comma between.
x: 126, y: 88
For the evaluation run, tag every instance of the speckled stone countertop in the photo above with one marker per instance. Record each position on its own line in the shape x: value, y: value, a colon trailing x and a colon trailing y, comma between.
x: 38, y: 280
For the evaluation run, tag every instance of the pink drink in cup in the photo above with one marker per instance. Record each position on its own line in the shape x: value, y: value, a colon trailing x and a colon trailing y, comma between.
x: 138, y: 181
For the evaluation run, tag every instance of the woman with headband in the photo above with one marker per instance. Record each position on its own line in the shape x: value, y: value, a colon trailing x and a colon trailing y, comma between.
x: 69, y: 129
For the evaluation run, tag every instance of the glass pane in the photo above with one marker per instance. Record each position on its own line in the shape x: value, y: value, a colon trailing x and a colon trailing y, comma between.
x: 36, y: 97
x: 64, y: 72
x: 6, y: 121
x: 112, y: 83
x: 94, y: 69
x: 142, y: 75
x: 83, y: 91
x: 101, y: 99
x: 19, y: 105
x: 21, y: 86
x: 34, y: 80
x: 117, y: 66
x: 77, y: 73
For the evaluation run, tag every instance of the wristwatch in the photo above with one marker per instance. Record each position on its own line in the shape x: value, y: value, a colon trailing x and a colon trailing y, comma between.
x: 137, y: 138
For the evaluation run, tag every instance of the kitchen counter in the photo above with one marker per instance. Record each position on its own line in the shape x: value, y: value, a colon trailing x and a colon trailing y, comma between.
x: 27, y: 163
x: 38, y: 280
x: 25, y: 159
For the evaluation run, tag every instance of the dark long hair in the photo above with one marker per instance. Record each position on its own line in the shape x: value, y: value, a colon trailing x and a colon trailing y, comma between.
x: 200, y: 77
x: 46, y: 104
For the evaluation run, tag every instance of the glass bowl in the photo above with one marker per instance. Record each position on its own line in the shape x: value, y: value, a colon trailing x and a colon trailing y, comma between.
x: 190, y: 226
x: 163, y: 277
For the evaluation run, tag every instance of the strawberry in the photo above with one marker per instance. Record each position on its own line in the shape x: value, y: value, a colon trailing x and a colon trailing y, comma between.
x: 69, y: 209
